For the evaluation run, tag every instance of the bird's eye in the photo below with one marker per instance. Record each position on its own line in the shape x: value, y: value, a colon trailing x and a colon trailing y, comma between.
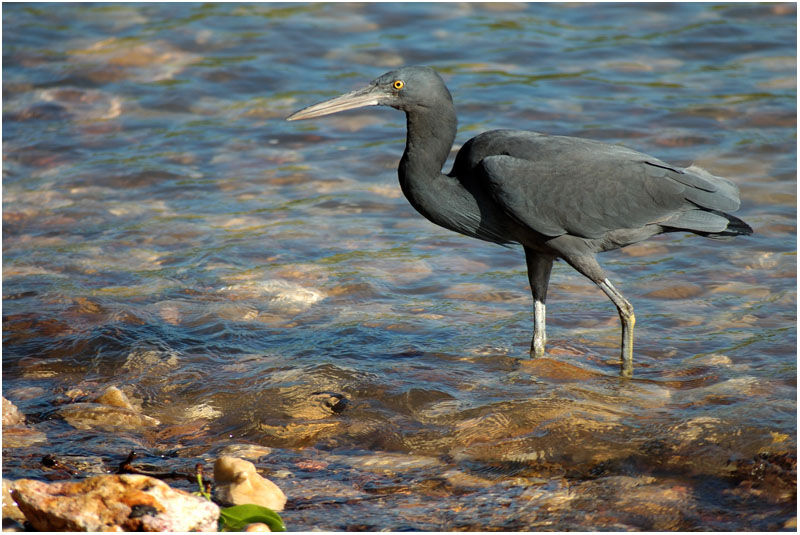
x: 398, y: 84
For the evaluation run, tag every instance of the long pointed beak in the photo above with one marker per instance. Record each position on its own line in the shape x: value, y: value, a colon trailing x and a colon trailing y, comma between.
x: 368, y: 96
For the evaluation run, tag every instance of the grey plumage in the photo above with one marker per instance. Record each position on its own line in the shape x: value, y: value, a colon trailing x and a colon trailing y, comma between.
x: 560, y: 197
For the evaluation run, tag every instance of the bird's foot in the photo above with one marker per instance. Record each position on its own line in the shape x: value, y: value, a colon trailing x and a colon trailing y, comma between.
x: 537, y: 349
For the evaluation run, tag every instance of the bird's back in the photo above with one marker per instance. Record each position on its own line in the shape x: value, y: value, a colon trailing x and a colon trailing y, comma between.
x: 559, y: 185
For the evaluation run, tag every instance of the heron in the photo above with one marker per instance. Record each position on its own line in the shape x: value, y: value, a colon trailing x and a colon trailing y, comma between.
x: 559, y: 197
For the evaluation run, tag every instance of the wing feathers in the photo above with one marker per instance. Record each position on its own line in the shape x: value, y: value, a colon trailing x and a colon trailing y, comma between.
x: 601, y: 190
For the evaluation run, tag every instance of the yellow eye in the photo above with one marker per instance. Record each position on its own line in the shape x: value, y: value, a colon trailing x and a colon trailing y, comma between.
x: 398, y: 84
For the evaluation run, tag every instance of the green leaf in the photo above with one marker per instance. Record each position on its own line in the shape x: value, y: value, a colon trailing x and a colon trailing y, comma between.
x: 237, y: 517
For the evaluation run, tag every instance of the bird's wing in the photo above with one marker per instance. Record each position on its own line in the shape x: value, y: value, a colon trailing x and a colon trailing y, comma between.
x: 598, y: 187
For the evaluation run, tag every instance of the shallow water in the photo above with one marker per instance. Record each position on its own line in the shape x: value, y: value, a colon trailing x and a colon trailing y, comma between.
x: 252, y: 281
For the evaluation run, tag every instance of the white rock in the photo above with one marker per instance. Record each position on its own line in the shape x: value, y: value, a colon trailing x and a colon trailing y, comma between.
x: 237, y: 482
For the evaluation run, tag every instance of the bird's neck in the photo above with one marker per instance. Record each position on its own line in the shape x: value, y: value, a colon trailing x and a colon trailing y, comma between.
x: 443, y: 199
x: 429, y: 139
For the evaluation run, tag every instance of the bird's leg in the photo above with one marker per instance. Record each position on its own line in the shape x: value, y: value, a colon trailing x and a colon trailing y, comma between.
x: 539, y: 267
x: 628, y: 320
x: 587, y: 265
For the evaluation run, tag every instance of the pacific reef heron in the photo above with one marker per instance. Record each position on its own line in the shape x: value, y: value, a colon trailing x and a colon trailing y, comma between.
x: 559, y: 197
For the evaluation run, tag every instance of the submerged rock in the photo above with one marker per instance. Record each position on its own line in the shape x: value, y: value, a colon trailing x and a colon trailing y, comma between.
x: 283, y: 295
x: 114, y: 397
x: 112, y: 409
x: 298, y: 434
x: 22, y: 436
x: 557, y: 370
x: 15, y: 433
x: 246, y: 451
x: 11, y: 414
x: 387, y: 462
x: 237, y: 482
x: 112, y: 503
x: 769, y: 476
x: 96, y: 415
x: 151, y: 362
x: 118, y: 58
x: 315, y: 406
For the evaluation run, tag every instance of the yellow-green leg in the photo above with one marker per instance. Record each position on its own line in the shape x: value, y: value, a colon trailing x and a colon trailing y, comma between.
x: 628, y: 320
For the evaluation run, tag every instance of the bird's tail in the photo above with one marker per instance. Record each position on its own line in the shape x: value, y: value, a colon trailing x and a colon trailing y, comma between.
x: 708, y: 223
x: 736, y: 227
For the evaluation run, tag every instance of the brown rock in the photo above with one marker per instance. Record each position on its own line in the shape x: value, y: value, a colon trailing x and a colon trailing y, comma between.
x: 10, y: 509
x: 112, y: 503
x: 237, y: 482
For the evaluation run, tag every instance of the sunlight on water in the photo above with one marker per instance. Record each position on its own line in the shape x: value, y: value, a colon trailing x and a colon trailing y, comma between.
x: 249, y: 281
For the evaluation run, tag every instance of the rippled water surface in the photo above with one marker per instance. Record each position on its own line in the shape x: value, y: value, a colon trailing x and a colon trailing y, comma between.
x: 245, y: 280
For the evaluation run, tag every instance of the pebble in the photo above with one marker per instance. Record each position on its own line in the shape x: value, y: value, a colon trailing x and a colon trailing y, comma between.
x: 256, y: 526
x: 237, y: 482
x: 112, y: 503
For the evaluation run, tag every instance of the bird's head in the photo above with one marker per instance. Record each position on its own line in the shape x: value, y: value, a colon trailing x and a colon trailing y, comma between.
x: 407, y: 89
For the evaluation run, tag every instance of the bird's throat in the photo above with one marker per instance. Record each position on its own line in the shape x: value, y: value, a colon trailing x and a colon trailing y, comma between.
x: 436, y: 196
x: 429, y: 138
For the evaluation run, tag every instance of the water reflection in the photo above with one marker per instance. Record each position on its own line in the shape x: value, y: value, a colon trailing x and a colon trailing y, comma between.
x: 246, y: 280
